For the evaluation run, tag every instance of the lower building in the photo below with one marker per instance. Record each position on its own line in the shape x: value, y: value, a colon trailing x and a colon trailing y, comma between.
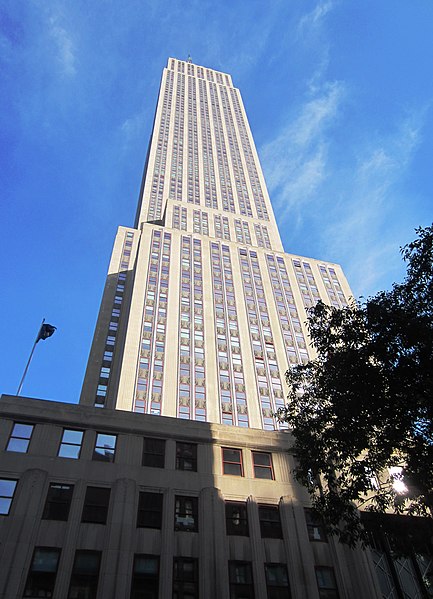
x: 117, y: 505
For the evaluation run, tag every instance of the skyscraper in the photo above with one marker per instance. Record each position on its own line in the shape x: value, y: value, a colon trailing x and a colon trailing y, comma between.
x: 160, y: 483
x: 203, y: 311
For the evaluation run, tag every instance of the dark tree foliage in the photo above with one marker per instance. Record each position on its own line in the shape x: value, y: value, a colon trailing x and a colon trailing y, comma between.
x: 365, y: 404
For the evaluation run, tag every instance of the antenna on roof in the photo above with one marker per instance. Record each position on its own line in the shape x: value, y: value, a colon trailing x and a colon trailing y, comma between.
x: 189, y: 58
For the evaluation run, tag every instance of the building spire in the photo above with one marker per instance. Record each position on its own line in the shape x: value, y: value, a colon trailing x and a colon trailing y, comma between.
x: 189, y: 58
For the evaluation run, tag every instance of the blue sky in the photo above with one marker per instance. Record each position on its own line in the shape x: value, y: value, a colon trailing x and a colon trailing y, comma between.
x: 339, y: 97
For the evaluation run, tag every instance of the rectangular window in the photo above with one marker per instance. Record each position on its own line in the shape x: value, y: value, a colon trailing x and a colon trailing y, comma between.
x: 277, y: 581
x: 105, y: 447
x: 232, y: 461
x: 263, y: 465
x: 241, y: 580
x: 70, y: 445
x: 85, y: 574
x: 186, y: 513
x: 153, y: 452
x: 58, y: 502
x: 95, y: 508
x: 7, y: 490
x: 270, y: 523
x: 42, y: 573
x: 186, y: 456
x: 236, y: 519
x: 315, y: 526
x: 185, y: 578
x: 20, y: 437
x: 149, y: 510
x: 326, y: 583
x: 145, y: 577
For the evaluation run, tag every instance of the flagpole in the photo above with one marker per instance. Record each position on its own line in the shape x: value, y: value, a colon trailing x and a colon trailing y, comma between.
x: 30, y: 359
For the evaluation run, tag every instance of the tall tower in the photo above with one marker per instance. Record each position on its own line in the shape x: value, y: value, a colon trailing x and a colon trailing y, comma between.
x: 201, y: 315
x: 203, y: 311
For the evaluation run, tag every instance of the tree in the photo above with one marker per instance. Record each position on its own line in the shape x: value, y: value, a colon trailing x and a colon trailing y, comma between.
x: 361, y: 412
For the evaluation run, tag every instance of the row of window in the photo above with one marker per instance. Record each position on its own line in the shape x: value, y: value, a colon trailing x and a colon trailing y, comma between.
x: 153, y: 451
x: 150, y: 511
x: 84, y: 579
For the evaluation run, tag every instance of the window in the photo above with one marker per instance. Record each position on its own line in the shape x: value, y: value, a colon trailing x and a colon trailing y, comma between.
x: 186, y: 513
x: 58, y: 502
x: 315, y: 526
x: 236, y: 519
x: 326, y: 583
x: 185, y: 578
x: 277, y: 581
x: 20, y: 437
x: 270, y: 523
x: 263, y: 465
x: 186, y: 456
x: 154, y: 453
x: 145, y: 577
x: 85, y: 574
x: 42, y: 573
x: 7, y: 490
x: 149, y: 510
x: 232, y: 461
x: 241, y: 580
x: 105, y: 447
x: 95, y: 507
x: 70, y: 445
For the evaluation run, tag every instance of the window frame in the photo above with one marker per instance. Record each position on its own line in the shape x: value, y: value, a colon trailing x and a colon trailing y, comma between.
x: 53, y: 501
x: 141, y: 509
x: 101, y: 509
x: 231, y: 462
x: 278, y: 590
x: 43, y: 575
x: 13, y: 437
x: 314, y: 521
x: 182, y: 513
x: 266, y: 524
x: 241, y: 587
x: 183, y: 581
x: 181, y: 459
x: 243, y: 530
x: 328, y: 592
x: 139, y: 579
x: 146, y: 455
x: 99, y: 457
x: 263, y: 468
x: 69, y: 444
x: 8, y: 497
x: 91, y: 579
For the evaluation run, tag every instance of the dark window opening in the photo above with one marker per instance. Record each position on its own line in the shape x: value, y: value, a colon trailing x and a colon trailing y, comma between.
x: 58, y: 502
x: 95, y: 507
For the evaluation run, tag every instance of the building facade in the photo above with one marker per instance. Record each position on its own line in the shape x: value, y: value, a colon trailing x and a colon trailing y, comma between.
x: 172, y: 477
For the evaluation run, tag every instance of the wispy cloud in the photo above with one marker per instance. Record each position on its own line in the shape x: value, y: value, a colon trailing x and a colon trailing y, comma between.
x: 296, y: 161
x: 315, y: 18
x: 65, y: 46
x: 368, y: 196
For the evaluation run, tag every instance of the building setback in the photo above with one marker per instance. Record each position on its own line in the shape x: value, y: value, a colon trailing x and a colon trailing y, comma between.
x: 172, y: 477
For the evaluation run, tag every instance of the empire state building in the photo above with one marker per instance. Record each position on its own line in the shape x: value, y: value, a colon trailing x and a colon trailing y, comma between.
x: 203, y: 311
x: 171, y: 478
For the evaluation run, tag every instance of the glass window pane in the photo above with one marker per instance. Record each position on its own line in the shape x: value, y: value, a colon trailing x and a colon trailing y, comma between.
x: 70, y: 451
x: 18, y: 445
x: 106, y: 441
x: 22, y: 430
x: 262, y: 459
x: 7, y: 487
x: 74, y: 437
x: 5, y: 505
x: 45, y: 560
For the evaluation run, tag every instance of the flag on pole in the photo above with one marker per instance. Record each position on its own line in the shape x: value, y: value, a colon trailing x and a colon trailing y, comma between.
x: 45, y: 331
